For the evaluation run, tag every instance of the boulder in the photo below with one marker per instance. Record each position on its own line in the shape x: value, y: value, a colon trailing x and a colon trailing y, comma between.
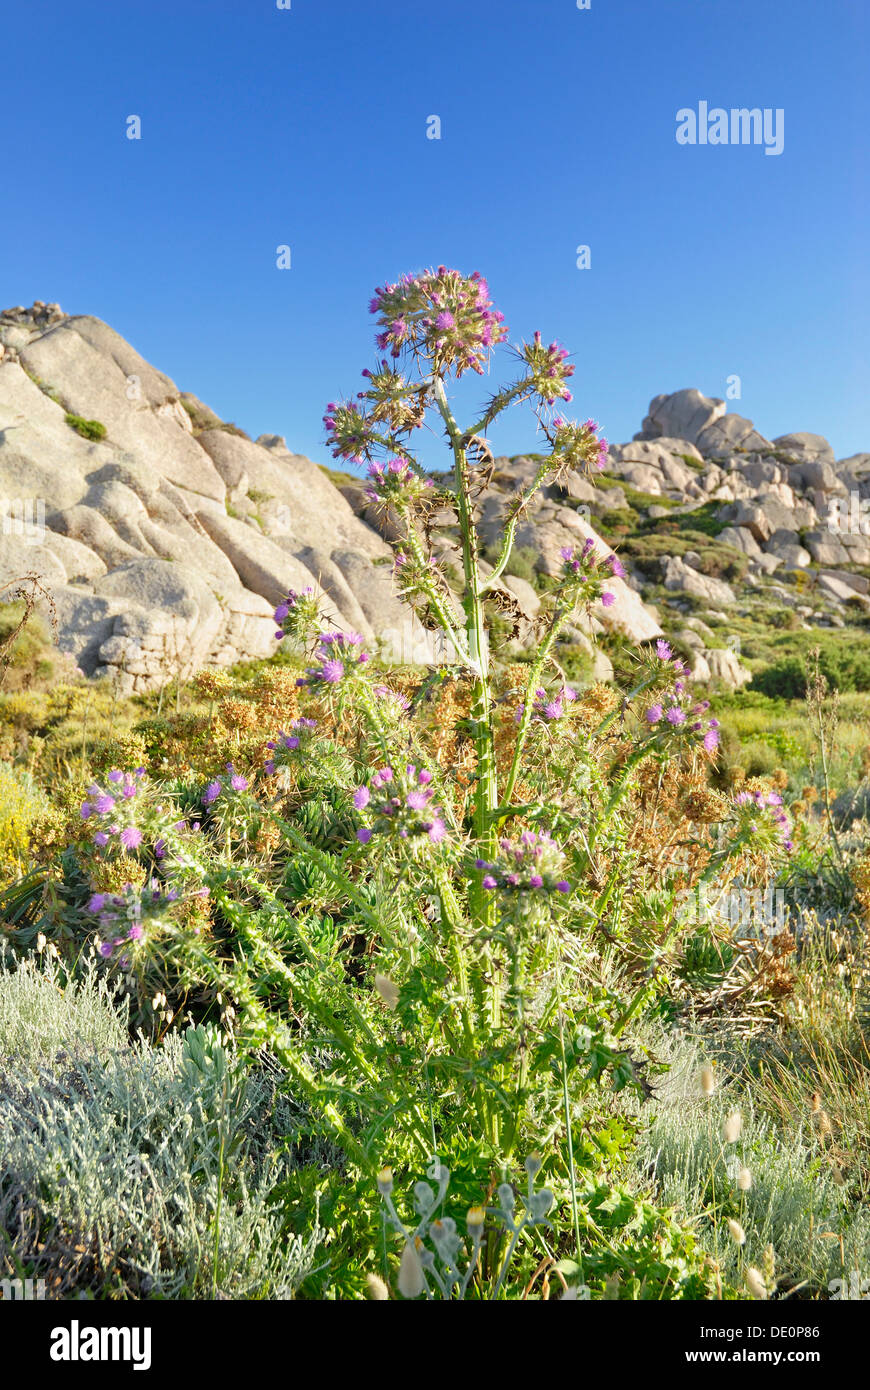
x: 804, y: 448
x: 727, y: 433
x: 826, y: 549
x: 858, y: 582
x: 742, y: 538
x: 681, y: 415
x: 726, y: 668
x: 681, y: 578
x: 752, y: 517
x: 841, y: 591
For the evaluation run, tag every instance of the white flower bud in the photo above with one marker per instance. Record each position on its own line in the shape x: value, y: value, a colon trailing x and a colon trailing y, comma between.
x: 732, y: 1128
x: 755, y: 1283
x: 411, y: 1280
x: 388, y: 990
x: 738, y: 1235
x: 377, y: 1289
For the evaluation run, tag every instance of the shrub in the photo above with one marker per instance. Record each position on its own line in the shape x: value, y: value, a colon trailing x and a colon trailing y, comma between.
x: 20, y: 803
x: 88, y: 429
x: 136, y: 1171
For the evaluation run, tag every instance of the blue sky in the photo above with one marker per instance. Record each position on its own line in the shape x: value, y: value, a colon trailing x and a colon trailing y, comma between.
x: 307, y: 127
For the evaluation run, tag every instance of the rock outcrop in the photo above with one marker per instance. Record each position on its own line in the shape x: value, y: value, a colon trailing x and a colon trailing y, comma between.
x: 165, y: 536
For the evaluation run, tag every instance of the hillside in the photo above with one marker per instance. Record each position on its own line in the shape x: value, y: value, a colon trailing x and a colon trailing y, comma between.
x: 166, y: 535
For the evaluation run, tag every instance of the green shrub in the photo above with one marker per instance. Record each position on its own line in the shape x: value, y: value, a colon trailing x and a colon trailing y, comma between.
x: 844, y: 664
x: 88, y: 429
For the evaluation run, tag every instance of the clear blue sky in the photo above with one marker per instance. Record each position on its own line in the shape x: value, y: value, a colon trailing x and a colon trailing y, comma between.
x: 307, y: 127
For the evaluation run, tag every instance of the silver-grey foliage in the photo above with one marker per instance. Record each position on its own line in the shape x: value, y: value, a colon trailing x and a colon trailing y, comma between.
x: 132, y: 1170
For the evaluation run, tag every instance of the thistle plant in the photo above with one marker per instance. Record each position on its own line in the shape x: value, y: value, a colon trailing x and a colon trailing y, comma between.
x: 437, y: 325
x: 419, y: 938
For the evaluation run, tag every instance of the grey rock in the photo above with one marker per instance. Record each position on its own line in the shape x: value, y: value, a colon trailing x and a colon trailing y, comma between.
x: 767, y: 564
x: 841, y: 591
x: 730, y: 432
x: 681, y: 415
x: 826, y: 548
x: 679, y: 577
x: 726, y: 668
x: 803, y: 448
x: 858, y: 582
x: 742, y: 538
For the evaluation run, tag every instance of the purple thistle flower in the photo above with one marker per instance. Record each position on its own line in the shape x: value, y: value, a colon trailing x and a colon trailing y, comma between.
x: 711, y: 740
x: 97, y: 902
x: 654, y: 714
x: 332, y: 671
x: 131, y: 837
x: 361, y: 798
x: 105, y: 949
x: 101, y: 838
x: 663, y: 650
x: 563, y: 886
x: 675, y: 715
x: 608, y: 599
x: 116, y: 775
x: 536, y: 881
x: 437, y: 831
x: 135, y: 932
x: 364, y: 836
x: 85, y: 810
x: 212, y: 792
x: 489, y: 882
x: 239, y: 783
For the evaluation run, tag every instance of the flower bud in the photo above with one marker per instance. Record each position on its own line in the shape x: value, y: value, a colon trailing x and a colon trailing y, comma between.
x: 732, y: 1127
x: 376, y: 1289
x: 475, y: 1219
x: 738, y: 1235
x: 755, y: 1283
x: 411, y: 1279
x: 388, y: 990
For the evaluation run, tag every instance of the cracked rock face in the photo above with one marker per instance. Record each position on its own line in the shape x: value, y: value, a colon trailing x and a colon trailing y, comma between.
x: 168, y: 540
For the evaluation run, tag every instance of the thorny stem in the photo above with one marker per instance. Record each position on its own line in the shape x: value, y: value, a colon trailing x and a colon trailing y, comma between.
x: 485, y: 791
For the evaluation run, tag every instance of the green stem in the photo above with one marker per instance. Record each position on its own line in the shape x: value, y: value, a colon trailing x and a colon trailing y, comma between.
x: 528, y: 702
x: 510, y: 529
x: 485, y: 791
